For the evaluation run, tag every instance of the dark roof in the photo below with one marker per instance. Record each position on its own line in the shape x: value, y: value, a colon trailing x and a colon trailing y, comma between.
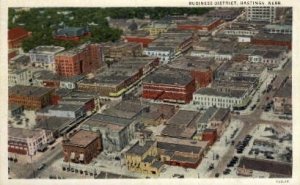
x: 16, y: 33
x: 185, y: 159
x: 111, y: 119
x: 169, y: 76
x: 272, y: 167
x: 272, y: 54
x: 207, y: 114
x: 178, y: 147
x: 221, y: 114
x: 29, y: 91
x: 285, y: 90
x: 157, y: 164
x: 149, y: 159
x: 71, y: 31
x: 138, y: 149
x: 53, y: 123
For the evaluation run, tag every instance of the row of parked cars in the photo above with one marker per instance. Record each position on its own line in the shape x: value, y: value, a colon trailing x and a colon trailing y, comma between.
x: 242, y: 144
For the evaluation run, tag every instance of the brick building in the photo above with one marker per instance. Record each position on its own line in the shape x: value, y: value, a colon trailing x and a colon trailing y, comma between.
x: 203, y: 25
x: 168, y: 84
x: 186, y: 153
x: 118, y: 50
x: 82, y: 147
x: 118, y: 77
x: 16, y: 36
x: 201, y: 69
x: 79, y: 60
x: 29, y: 96
x: 268, y: 39
x: 71, y: 33
x: 139, y: 37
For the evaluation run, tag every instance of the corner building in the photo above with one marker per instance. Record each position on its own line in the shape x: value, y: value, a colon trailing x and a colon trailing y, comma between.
x: 80, y: 60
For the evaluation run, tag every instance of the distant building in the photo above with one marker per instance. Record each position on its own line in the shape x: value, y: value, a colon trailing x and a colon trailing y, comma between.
x: 203, y: 25
x: 30, y: 97
x: 16, y: 36
x: 165, y: 54
x: 141, y: 158
x: 261, y: 14
x: 186, y: 153
x: 227, y: 14
x: 278, y: 28
x: 71, y: 33
x: 170, y: 85
x: 139, y: 37
x: 27, y: 142
x: 272, y: 39
x: 116, y: 51
x: 156, y: 28
x: 250, y: 167
x: 19, y: 77
x: 44, y: 56
x: 283, y: 99
x: 79, y: 60
x: 82, y: 147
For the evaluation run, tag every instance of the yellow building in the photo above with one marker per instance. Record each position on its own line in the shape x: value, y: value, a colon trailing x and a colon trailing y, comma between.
x: 141, y: 158
x: 156, y: 28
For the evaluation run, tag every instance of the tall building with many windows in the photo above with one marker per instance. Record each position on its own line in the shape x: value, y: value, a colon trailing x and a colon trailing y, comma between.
x: 261, y: 14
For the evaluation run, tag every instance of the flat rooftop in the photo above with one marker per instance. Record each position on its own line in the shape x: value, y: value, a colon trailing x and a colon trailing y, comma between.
x: 28, y: 91
x: 169, y: 76
x: 47, y: 49
x: 23, y: 133
x: 215, y: 92
x: 268, y: 166
x: 194, y: 63
x: 82, y: 138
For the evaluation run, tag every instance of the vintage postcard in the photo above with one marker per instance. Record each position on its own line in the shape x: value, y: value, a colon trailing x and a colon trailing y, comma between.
x: 111, y: 92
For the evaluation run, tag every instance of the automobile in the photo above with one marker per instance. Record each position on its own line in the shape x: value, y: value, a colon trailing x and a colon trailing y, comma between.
x: 42, y: 166
x: 226, y: 171
x: 211, y: 166
x: 178, y: 175
x: 240, y: 151
x: 269, y: 157
x: 52, y: 147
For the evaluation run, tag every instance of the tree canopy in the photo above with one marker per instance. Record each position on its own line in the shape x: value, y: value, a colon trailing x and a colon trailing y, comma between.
x: 42, y: 22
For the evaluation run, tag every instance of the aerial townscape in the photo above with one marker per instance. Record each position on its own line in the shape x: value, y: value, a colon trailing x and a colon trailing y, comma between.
x: 111, y: 93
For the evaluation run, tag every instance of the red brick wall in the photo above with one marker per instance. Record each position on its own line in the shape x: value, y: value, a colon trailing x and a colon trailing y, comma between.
x: 143, y: 40
x: 210, y: 136
x: 168, y: 92
x: 91, y: 58
x: 272, y: 43
x: 203, y: 78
